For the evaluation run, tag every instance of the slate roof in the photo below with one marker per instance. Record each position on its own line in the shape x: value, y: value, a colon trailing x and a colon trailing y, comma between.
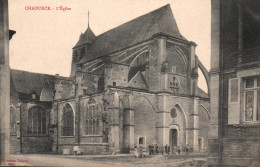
x: 86, y: 38
x: 26, y: 83
x: 134, y: 32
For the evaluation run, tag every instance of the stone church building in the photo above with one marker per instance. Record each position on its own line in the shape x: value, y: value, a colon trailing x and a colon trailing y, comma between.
x: 134, y: 85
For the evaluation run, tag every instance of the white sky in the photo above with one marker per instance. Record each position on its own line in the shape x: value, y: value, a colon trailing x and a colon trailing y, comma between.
x: 44, y: 39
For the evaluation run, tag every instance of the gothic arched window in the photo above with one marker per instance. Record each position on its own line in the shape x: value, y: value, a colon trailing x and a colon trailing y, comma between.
x: 67, y: 121
x: 93, y: 119
x: 174, y: 84
x: 36, y: 120
x: 12, y: 121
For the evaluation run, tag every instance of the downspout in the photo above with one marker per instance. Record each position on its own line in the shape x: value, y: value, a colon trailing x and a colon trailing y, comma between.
x: 221, y: 90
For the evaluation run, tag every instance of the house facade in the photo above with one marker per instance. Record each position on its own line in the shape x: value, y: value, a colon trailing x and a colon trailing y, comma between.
x: 134, y: 85
x: 235, y: 83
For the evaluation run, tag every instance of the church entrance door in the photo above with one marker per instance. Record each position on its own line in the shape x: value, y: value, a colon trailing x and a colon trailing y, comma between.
x: 173, y: 137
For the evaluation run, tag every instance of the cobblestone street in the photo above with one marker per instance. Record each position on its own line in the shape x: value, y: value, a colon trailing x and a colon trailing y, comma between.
x: 106, y: 160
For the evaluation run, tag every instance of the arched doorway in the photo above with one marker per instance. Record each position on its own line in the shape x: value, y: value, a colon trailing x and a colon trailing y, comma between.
x: 174, y: 135
x: 179, y: 122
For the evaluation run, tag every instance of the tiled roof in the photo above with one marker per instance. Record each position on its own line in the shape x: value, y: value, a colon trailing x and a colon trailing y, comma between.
x: 134, y: 32
x: 28, y: 82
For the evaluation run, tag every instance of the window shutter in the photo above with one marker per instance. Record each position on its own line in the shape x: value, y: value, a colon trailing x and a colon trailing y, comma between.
x: 233, y: 101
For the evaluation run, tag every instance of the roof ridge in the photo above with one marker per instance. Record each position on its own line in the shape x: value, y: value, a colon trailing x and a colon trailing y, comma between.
x: 138, y: 17
x: 137, y: 30
x: 31, y: 72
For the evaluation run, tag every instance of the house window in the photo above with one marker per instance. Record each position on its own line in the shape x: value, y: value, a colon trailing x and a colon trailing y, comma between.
x: 12, y: 121
x: 92, y: 120
x: 36, y: 120
x: 67, y: 121
x: 252, y: 99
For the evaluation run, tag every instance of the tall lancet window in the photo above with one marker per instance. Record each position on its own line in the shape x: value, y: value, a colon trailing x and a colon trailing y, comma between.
x: 67, y: 121
x: 92, y: 119
x: 36, y: 120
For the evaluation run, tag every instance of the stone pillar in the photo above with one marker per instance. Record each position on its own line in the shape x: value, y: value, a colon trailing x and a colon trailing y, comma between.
x: 4, y: 81
x: 214, y: 82
x: 162, y: 57
x: 79, y: 87
x: 162, y: 129
x: 193, y: 129
x: 114, y: 125
x: 194, y: 69
x: 77, y: 120
x: 129, y: 127
x: 157, y: 57
x: 79, y: 93
x: 114, y: 130
x: 54, y: 127
x: 164, y: 76
x: 162, y: 49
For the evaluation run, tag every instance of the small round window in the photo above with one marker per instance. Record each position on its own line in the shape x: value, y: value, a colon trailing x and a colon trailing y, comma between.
x: 173, y: 113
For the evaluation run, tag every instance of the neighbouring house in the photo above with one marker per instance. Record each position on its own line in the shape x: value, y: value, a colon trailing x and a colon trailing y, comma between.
x: 234, y: 134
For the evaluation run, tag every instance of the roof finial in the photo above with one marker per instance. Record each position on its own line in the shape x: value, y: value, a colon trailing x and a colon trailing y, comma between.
x: 88, y: 18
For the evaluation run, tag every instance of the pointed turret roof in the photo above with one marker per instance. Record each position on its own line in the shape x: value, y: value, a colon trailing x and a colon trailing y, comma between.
x: 134, y: 32
x: 86, y: 38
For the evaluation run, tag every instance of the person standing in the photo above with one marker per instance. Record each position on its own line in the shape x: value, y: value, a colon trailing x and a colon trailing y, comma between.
x: 166, y: 149
x: 152, y: 149
x: 156, y: 149
x: 173, y: 150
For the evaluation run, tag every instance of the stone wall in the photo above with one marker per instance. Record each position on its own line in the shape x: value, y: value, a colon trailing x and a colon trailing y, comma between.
x: 116, y: 75
x: 241, y: 148
x: 65, y: 88
x: 14, y: 145
x: 144, y: 121
x: 35, y: 144
x: 203, y: 128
